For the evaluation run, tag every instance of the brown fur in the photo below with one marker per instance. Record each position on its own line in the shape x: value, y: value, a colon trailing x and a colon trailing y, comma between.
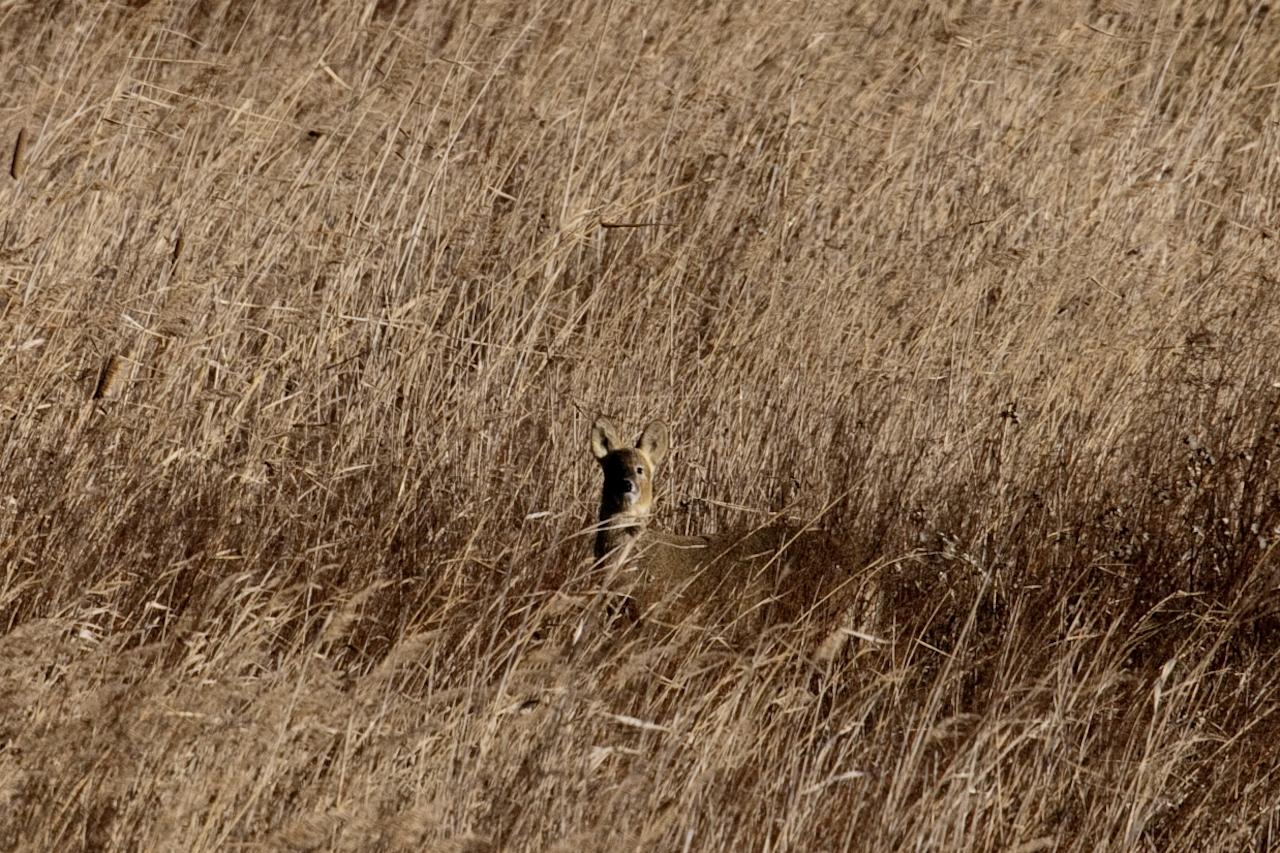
x: 738, y: 574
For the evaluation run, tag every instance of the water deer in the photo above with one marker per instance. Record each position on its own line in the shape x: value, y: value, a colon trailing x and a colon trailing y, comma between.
x: 666, y: 576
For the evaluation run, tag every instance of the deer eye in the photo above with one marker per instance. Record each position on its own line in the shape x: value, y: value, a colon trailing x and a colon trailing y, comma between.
x: 640, y: 470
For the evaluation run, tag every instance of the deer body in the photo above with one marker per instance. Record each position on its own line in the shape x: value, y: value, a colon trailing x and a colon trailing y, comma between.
x: 664, y: 573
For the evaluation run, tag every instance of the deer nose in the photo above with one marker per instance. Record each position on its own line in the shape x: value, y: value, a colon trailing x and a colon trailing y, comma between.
x: 628, y: 486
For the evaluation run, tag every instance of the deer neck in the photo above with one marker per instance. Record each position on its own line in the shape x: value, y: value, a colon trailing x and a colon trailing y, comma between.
x: 617, y: 528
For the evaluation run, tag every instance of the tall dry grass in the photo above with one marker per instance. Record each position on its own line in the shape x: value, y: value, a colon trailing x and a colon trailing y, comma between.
x: 305, y: 309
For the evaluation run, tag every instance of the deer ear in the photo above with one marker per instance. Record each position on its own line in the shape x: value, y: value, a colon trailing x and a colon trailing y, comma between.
x: 655, y: 441
x: 604, y: 438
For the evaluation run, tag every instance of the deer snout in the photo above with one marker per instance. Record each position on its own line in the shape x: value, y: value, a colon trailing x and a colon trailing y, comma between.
x: 629, y: 490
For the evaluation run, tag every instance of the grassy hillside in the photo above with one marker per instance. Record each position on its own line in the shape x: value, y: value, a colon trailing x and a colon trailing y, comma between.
x: 306, y: 309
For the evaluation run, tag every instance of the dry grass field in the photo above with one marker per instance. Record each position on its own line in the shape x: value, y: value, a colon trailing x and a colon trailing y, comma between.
x: 306, y: 309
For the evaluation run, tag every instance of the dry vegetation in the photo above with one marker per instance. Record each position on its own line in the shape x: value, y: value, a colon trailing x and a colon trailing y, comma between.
x: 305, y: 309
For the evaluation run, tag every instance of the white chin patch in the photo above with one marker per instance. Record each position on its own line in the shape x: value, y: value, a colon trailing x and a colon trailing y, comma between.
x: 630, y: 498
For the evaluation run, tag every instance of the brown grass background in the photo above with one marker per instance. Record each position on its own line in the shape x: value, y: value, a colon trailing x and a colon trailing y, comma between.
x: 306, y: 307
